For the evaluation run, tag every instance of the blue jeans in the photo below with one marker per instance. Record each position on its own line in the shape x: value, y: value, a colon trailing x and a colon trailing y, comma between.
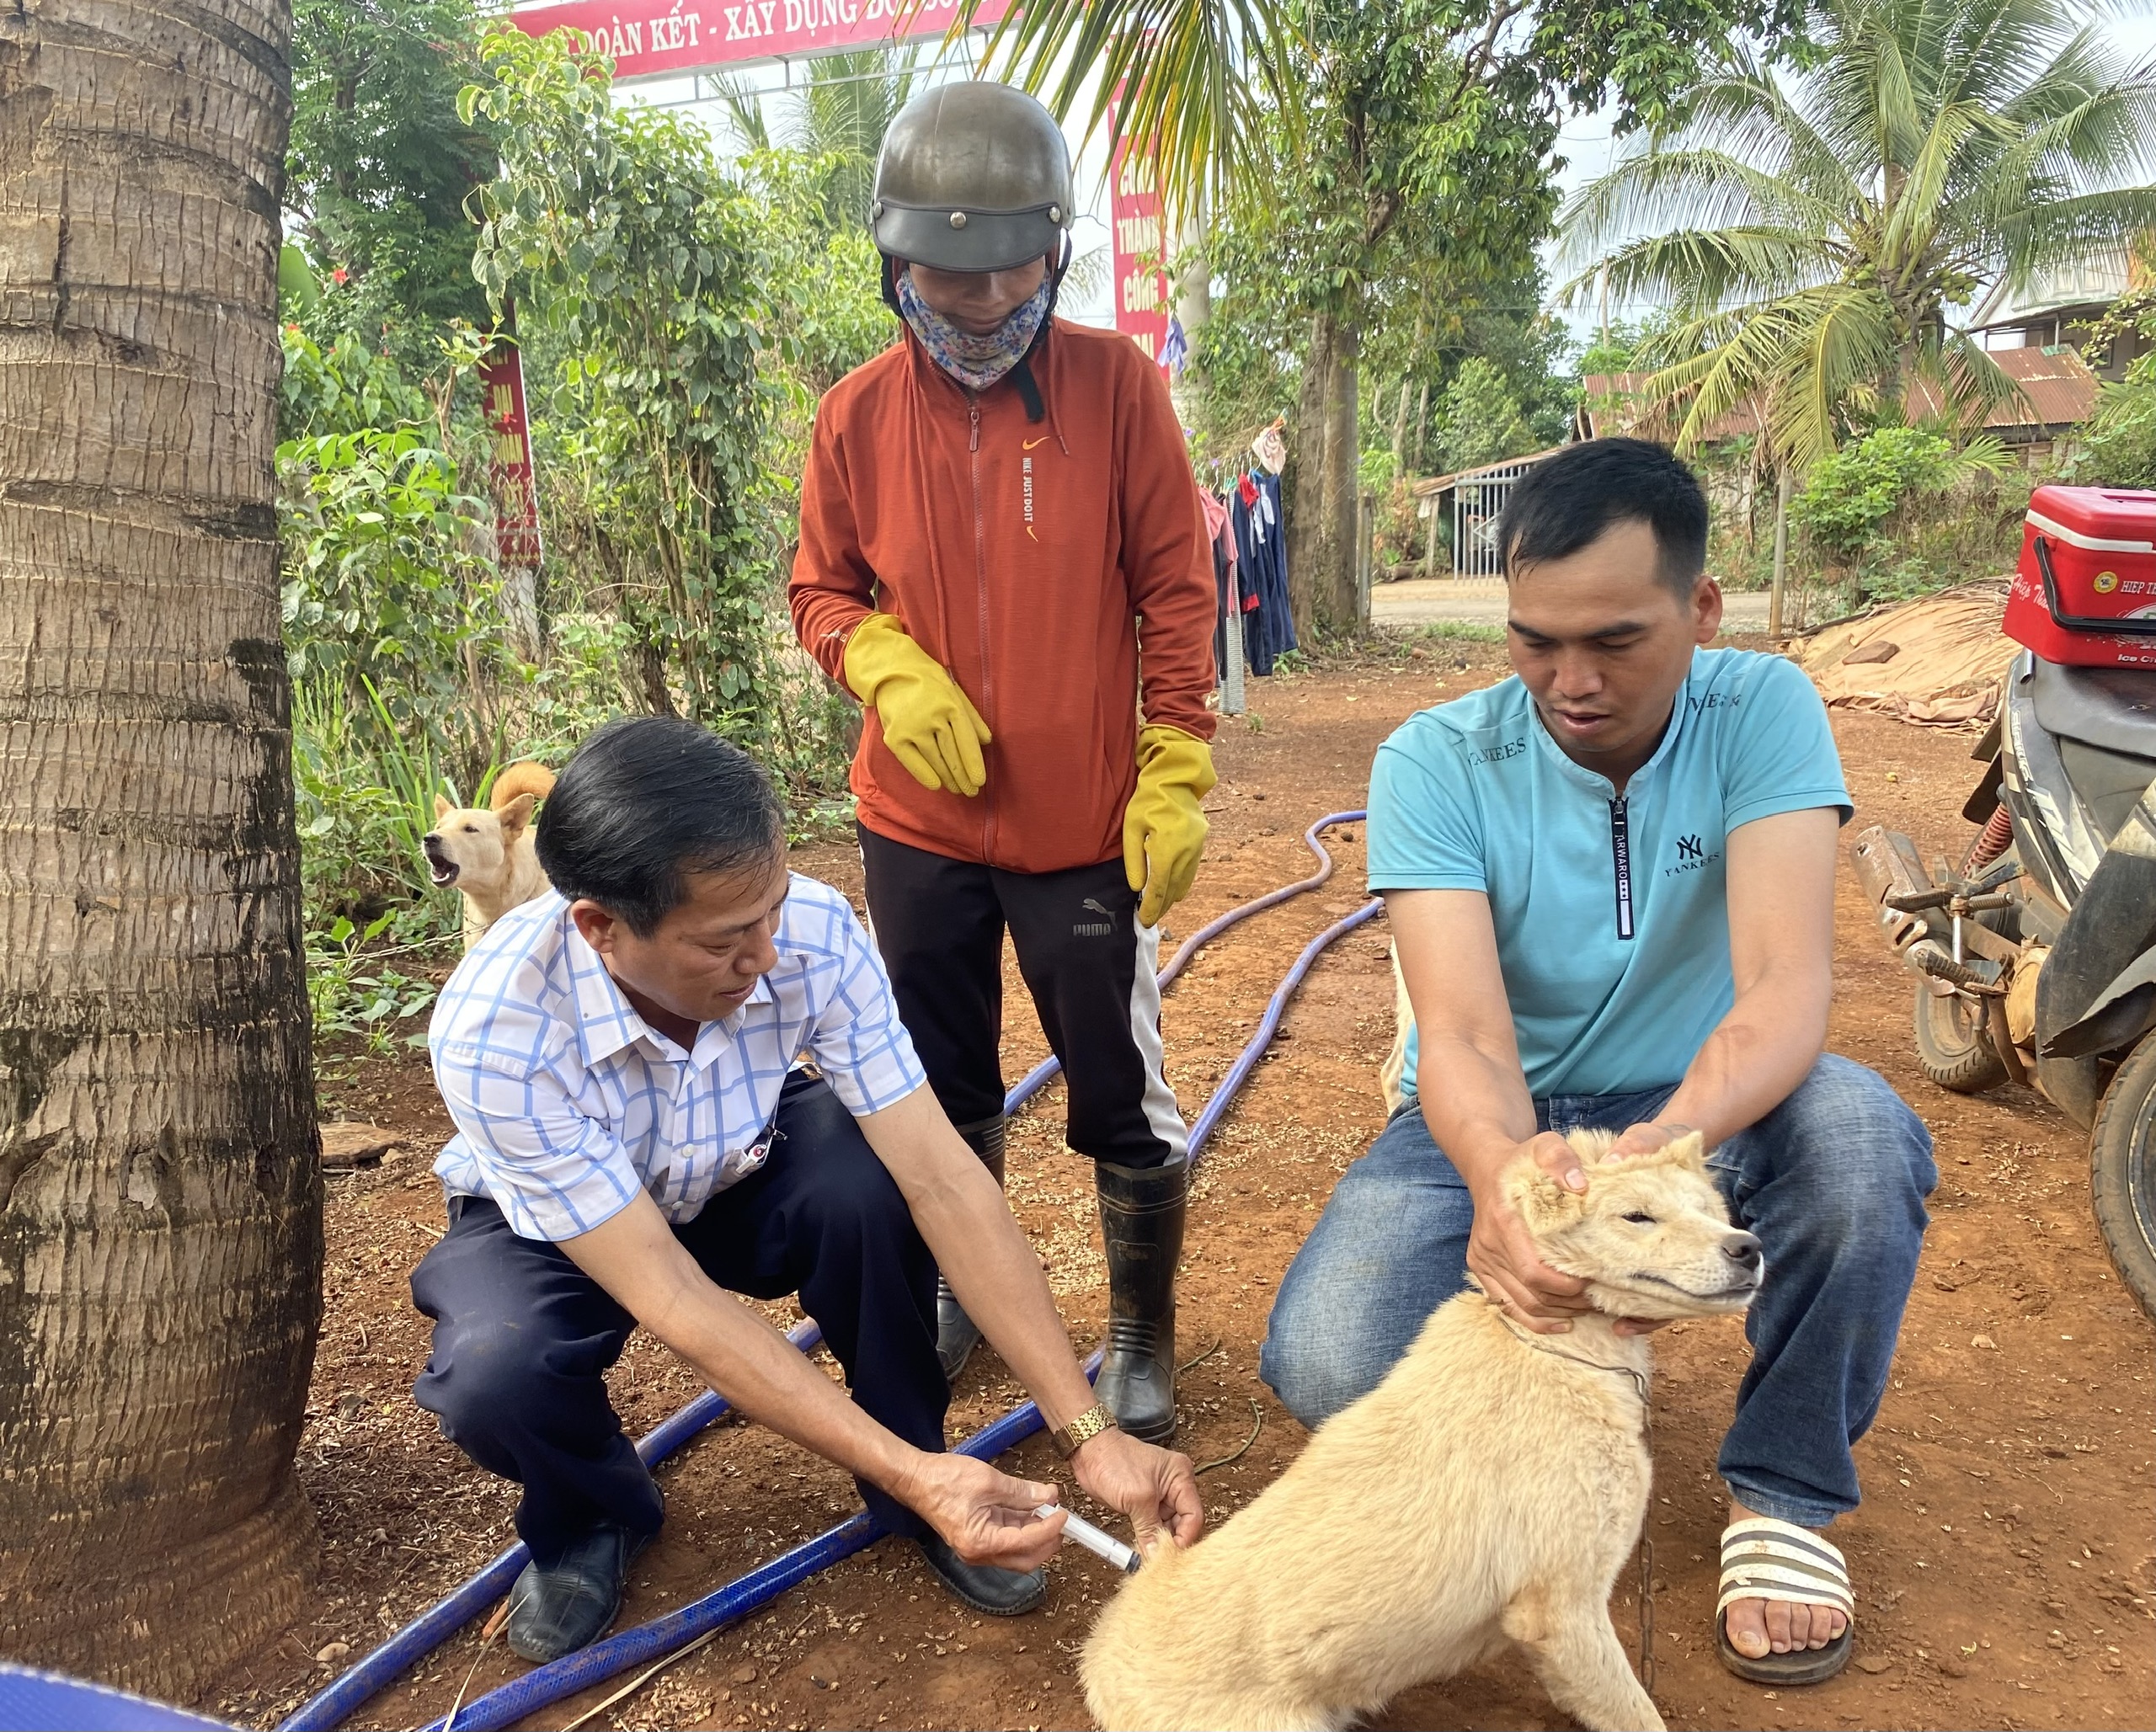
x: 1833, y: 1181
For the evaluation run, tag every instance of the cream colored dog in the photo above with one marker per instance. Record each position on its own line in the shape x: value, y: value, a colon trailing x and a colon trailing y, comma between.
x: 485, y: 851
x: 1487, y: 1491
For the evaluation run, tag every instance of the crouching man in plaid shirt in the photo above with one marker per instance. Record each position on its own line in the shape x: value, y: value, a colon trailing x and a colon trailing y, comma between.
x: 635, y: 1137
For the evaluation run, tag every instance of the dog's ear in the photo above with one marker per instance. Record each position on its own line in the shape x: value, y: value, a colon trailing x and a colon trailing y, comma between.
x: 1544, y: 1203
x: 515, y: 815
x: 442, y: 808
x: 1691, y: 1148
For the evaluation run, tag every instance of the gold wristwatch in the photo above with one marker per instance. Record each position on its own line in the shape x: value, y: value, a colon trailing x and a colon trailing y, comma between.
x: 1089, y: 1425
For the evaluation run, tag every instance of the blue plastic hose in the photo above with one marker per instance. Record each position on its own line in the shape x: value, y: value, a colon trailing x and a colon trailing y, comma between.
x: 1037, y: 1079
x: 603, y: 1660
x: 440, y: 1622
x: 662, y: 1636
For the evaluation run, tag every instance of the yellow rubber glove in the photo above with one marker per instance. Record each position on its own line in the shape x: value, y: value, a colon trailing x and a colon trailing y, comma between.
x: 1164, y: 826
x: 930, y: 725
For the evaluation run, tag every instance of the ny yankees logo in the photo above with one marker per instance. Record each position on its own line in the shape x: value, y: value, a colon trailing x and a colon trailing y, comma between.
x: 1690, y: 848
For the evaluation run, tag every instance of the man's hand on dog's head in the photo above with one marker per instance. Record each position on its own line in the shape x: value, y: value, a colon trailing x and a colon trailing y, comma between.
x: 1156, y: 1488
x: 1501, y: 1251
x: 1646, y: 1139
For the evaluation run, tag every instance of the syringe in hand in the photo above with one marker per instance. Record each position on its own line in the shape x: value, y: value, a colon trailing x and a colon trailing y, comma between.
x: 1077, y: 1528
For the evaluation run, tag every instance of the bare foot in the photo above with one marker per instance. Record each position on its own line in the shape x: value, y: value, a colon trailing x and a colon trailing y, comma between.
x: 1759, y: 1628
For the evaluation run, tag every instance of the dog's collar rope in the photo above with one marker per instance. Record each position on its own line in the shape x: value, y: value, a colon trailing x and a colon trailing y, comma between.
x: 1541, y: 1344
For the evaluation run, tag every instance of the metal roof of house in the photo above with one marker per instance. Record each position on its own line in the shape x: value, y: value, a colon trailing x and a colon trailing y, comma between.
x: 1609, y: 396
x: 1445, y: 483
x: 2095, y: 279
x: 2057, y: 390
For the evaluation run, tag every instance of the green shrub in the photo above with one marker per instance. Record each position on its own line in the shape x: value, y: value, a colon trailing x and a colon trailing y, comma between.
x: 1902, y: 512
x: 1851, y: 492
x: 352, y: 991
x: 2120, y: 450
x: 385, y: 591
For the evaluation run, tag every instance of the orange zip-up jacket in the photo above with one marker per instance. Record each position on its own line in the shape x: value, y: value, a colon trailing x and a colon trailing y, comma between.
x: 1028, y: 558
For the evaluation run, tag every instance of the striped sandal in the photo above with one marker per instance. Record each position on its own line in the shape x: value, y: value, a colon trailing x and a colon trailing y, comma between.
x: 1765, y: 1559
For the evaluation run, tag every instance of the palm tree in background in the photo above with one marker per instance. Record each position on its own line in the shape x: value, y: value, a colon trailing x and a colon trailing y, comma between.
x: 840, y: 114
x: 1198, y: 77
x: 1812, y: 232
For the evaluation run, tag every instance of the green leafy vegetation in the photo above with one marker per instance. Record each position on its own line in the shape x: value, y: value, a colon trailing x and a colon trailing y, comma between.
x: 1813, y: 226
x: 678, y: 317
x: 2120, y: 448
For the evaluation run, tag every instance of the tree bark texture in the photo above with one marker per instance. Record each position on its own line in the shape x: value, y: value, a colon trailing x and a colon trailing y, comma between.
x: 1322, y: 523
x: 1344, y: 480
x: 1308, y: 526
x: 160, y: 1199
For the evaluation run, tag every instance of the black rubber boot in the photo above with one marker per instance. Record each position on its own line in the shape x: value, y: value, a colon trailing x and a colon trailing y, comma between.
x: 957, y: 1334
x: 1142, y: 1211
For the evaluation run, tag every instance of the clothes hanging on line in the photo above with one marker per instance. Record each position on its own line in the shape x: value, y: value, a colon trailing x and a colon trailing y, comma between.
x: 1261, y: 565
x: 1220, y: 533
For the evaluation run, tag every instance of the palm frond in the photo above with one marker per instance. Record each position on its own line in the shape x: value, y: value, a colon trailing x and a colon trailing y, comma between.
x: 1697, y: 271
x: 744, y: 112
x: 1711, y: 189
x: 1190, y: 75
x: 1090, y: 272
x: 1850, y: 344
x: 1811, y: 228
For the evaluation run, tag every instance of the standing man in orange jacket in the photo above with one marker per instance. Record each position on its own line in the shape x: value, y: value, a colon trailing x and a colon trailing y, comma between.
x: 998, y: 515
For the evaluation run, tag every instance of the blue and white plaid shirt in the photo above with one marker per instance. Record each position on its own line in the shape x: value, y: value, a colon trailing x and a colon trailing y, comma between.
x: 568, y: 1103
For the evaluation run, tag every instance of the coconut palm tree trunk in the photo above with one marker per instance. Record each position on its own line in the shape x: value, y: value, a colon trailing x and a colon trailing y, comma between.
x: 160, y: 1203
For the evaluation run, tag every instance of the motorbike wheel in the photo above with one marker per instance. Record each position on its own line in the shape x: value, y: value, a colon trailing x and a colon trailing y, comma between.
x: 1952, y: 1047
x: 2123, y: 1173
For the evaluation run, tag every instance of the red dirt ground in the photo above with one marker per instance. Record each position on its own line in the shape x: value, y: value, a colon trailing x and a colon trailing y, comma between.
x: 2005, y: 1557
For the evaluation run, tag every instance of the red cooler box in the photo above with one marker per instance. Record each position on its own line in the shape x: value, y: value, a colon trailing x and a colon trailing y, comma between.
x: 2085, y: 590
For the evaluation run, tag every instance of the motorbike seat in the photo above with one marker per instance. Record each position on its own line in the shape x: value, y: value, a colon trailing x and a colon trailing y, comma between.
x: 2113, y: 709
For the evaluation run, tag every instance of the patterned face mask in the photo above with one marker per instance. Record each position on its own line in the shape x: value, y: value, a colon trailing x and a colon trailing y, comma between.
x: 975, y: 362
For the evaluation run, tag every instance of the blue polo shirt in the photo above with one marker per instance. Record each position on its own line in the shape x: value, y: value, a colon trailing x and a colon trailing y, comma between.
x: 1612, y: 914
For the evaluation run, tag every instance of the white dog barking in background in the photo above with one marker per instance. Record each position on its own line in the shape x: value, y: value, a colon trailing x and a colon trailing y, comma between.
x: 1485, y: 1493
x: 485, y: 851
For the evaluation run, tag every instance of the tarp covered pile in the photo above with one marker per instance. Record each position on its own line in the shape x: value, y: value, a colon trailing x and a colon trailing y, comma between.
x: 1937, y: 661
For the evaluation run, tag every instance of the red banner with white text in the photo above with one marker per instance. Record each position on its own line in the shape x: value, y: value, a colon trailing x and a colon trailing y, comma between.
x: 649, y: 36
x: 1141, y: 285
x: 510, y: 476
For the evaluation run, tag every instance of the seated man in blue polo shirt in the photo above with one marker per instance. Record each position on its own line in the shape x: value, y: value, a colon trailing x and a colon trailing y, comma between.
x: 636, y: 1136
x: 1611, y: 883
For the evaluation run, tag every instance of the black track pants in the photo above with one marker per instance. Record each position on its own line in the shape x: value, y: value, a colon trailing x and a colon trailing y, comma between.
x: 1089, y: 965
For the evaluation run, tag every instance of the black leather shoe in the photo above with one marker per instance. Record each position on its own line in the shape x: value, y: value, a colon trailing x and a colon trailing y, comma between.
x: 557, y: 1610
x: 1000, y: 1593
x: 957, y: 1334
x: 1142, y: 1210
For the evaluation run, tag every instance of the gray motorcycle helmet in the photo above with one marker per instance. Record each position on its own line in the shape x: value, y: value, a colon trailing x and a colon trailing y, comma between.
x: 973, y: 176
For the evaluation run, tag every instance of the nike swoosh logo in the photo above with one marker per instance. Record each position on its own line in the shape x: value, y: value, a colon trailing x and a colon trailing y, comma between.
x: 1028, y: 445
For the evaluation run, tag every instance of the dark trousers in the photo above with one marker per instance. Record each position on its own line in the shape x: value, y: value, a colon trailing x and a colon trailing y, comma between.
x: 938, y: 924
x: 523, y: 1337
